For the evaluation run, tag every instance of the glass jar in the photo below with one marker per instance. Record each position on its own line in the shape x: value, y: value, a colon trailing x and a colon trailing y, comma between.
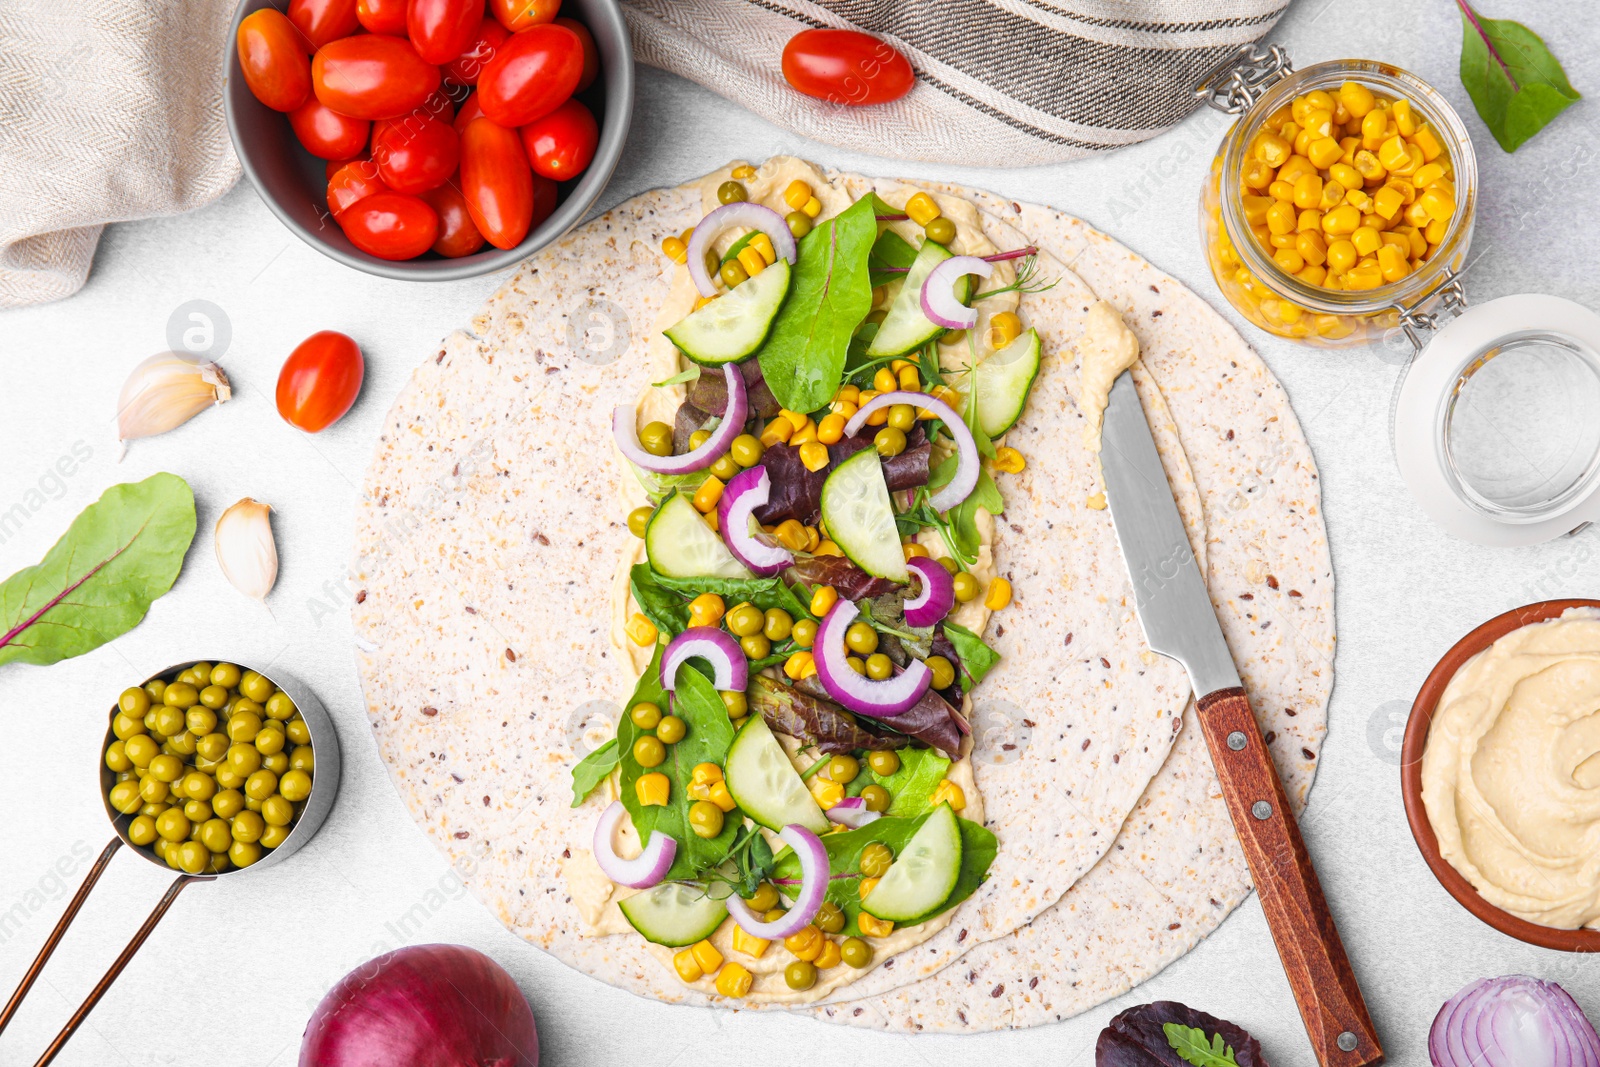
x: 1260, y: 85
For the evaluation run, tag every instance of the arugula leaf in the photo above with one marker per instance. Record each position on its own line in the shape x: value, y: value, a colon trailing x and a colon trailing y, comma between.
x: 928, y: 363
x: 706, y: 741
x: 662, y: 606
x: 964, y: 516
x: 977, y: 658
x: 592, y: 770
x: 890, y: 250
x: 764, y: 593
x: 1190, y: 1043
x: 803, y: 357
x: 1515, y: 83
x: 96, y: 583
x: 911, y: 787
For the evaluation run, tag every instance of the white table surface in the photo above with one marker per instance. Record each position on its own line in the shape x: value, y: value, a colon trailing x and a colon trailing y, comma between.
x: 232, y: 973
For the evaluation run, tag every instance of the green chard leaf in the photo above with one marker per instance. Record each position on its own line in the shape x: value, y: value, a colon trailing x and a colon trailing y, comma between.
x: 96, y: 583
x: 764, y: 593
x: 1190, y: 1043
x: 803, y: 357
x: 1515, y: 83
x: 890, y: 250
x: 977, y: 658
x: 592, y: 770
x: 911, y: 787
x: 662, y: 606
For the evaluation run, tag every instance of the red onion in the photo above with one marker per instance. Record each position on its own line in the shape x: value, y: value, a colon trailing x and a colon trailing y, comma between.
x: 852, y: 812
x: 1514, y: 1021
x: 423, y: 1006
x: 740, y: 213
x: 644, y: 870
x: 939, y: 301
x: 960, y: 486
x: 857, y: 692
x: 625, y: 428
x: 730, y: 671
x: 745, y: 492
x: 1015, y: 253
x: 813, y: 888
x: 938, y: 593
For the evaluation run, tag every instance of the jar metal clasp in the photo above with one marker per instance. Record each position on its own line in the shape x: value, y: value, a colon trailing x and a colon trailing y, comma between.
x: 1240, y: 79
x: 1451, y: 301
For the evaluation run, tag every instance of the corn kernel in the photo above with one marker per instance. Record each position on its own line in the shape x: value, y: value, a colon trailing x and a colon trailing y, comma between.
x: 806, y: 944
x: 1281, y: 217
x: 1348, y: 146
x: 949, y: 793
x: 827, y: 548
x: 1427, y: 140
x: 1388, y: 201
x: 1281, y: 191
x: 1332, y: 196
x: 796, y: 193
x: 1414, y: 160
x: 791, y: 534
x: 826, y: 791
x: 812, y: 207
x: 1310, y: 220
x: 1363, y: 276
x: 1272, y: 149
x: 1313, y: 274
x: 1373, y: 126
x: 1405, y: 120
x: 1323, y: 151
x: 777, y: 432
x: 1004, y: 328
x: 675, y: 250
x: 799, y: 665
x: 922, y: 209
x: 751, y: 946
x: 829, y: 956
x: 1436, y: 230
x: 706, y: 609
x: 884, y: 381
x: 706, y: 955
x: 652, y: 789
x: 1257, y: 175
x: 866, y: 887
x: 1313, y: 248
x: 751, y: 260
x: 1341, y: 221
x: 1369, y: 167
x: 828, y: 432
x: 705, y: 773
x: 1307, y: 191
x: 712, y: 520
x: 734, y: 981
x: 1297, y: 166
x: 1009, y: 460
x: 1356, y: 98
x: 702, y: 301
x: 1366, y: 240
x: 910, y: 381
x: 871, y: 926
x: 641, y: 631
x: 1255, y: 209
x: 1393, y: 263
x: 718, y: 794
x: 687, y: 966
x: 710, y: 491
x: 998, y: 596
x: 813, y: 539
x: 1426, y: 175
x: 1438, y: 202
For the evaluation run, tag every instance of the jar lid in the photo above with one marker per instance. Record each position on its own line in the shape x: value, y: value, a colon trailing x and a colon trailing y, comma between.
x: 1495, y: 427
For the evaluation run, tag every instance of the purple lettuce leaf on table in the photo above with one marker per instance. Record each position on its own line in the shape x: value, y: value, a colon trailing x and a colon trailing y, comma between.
x: 1169, y: 1034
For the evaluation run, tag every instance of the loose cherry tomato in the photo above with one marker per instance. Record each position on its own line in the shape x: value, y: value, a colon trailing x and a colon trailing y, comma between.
x: 321, y: 21
x: 351, y: 184
x: 415, y: 154
x: 561, y: 145
x: 466, y: 67
x: 458, y: 235
x: 372, y: 76
x: 846, y: 67
x: 391, y: 225
x: 591, y: 54
x: 442, y: 29
x: 533, y: 74
x: 518, y: 15
x: 320, y: 380
x: 469, y: 111
x: 497, y: 182
x: 383, y: 16
x: 327, y: 134
x: 272, y: 55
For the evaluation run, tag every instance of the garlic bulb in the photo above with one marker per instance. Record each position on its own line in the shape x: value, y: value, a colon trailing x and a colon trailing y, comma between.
x: 166, y: 391
x: 245, y: 550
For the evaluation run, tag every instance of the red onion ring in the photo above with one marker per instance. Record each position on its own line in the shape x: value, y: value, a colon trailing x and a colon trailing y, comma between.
x: 938, y: 594
x: 939, y: 301
x: 966, y: 477
x: 745, y: 492
x: 641, y: 872
x: 852, y: 812
x: 740, y: 213
x: 729, y: 668
x: 1513, y: 1021
x: 813, y: 889
x: 625, y: 428
x: 857, y: 692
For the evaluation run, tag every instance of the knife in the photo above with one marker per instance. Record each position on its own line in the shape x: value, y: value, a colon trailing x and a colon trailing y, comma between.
x: 1179, y: 622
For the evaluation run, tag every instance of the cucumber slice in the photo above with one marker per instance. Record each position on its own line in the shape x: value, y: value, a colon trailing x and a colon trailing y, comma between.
x: 1004, y: 380
x: 679, y: 544
x: 736, y: 323
x: 765, y: 784
x: 924, y: 875
x: 860, y: 519
x: 674, y: 915
x: 906, y: 328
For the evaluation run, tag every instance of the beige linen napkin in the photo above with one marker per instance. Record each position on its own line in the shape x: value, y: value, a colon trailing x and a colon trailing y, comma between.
x: 109, y: 110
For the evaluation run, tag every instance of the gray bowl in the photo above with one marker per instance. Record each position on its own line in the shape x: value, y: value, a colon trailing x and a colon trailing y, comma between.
x: 291, y: 180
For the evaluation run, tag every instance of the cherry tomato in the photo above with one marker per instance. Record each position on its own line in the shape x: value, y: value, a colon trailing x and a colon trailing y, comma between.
x: 517, y: 15
x: 321, y: 21
x: 533, y: 74
x: 351, y: 184
x: 440, y: 106
x: 333, y: 166
x: 272, y: 55
x: 442, y: 29
x: 466, y: 67
x: 372, y: 76
x: 327, y: 134
x: 561, y: 145
x: 458, y: 235
x: 846, y: 67
x: 320, y: 380
x: 391, y: 225
x: 469, y: 111
x: 591, y: 54
x: 497, y: 182
x: 546, y: 193
x: 415, y: 154
x: 383, y: 16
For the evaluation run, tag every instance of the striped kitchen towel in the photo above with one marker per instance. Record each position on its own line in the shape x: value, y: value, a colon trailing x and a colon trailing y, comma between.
x: 999, y: 82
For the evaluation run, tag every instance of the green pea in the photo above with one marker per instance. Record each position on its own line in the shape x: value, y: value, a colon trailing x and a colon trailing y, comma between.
x: 745, y: 620
x: 180, y: 695
x: 656, y: 438
x: 889, y: 441
x: 733, y: 274
x: 879, y: 667
x: 940, y: 231
x: 756, y: 646
x: 645, y: 716
x: 902, y: 417
x: 226, y: 675
x: 731, y: 192
x: 861, y: 638
x: 726, y: 467
x: 671, y: 729
x: 117, y: 757
x: 649, y: 752
x: 966, y: 587
x: 639, y: 518
x: 734, y: 700
x: 944, y: 672
x: 778, y: 624
x: 855, y: 952
x: 244, y: 853
x: 764, y: 899
x: 746, y: 450
x: 830, y: 918
x: 949, y: 564
x: 134, y: 702
x: 705, y: 818
x: 883, y: 762
x: 255, y: 686
x: 843, y: 768
x: 804, y: 633
x: 142, y: 830
x: 876, y: 798
x: 280, y: 707
x: 298, y: 732
x: 799, y: 223
x: 856, y: 663
x: 800, y: 975
x: 875, y: 860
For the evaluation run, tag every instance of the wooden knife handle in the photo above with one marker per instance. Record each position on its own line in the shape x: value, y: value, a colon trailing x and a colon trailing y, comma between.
x: 1319, y: 973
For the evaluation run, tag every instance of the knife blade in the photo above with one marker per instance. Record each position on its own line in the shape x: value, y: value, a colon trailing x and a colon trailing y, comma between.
x: 1179, y: 622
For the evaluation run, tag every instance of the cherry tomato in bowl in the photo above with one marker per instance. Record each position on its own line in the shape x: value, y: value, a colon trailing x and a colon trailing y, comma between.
x: 846, y: 67
x: 458, y: 234
x: 561, y: 145
x: 518, y: 15
x: 272, y: 54
x: 351, y: 184
x: 390, y: 225
x: 465, y: 68
x: 533, y: 74
x: 372, y: 76
x: 383, y: 16
x: 321, y: 21
x: 591, y: 54
x: 442, y: 29
x: 320, y: 380
x: 415, y: 154
x: 327, y: 134
x: 497, y: 182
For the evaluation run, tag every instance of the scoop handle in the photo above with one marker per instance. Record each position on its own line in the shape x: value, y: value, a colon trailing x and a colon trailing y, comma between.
x: 1324, y: 986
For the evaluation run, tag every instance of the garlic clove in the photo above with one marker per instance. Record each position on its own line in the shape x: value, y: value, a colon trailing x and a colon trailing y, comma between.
x: 166, y: 391
x: 246, y: 551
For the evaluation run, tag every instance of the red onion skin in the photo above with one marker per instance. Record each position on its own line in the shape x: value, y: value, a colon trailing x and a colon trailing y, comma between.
x: 423, y: 1006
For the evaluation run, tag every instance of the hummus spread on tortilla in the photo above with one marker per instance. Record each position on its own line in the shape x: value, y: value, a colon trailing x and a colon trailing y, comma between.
x: 1511, y: 772
x: 1108, y: 348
